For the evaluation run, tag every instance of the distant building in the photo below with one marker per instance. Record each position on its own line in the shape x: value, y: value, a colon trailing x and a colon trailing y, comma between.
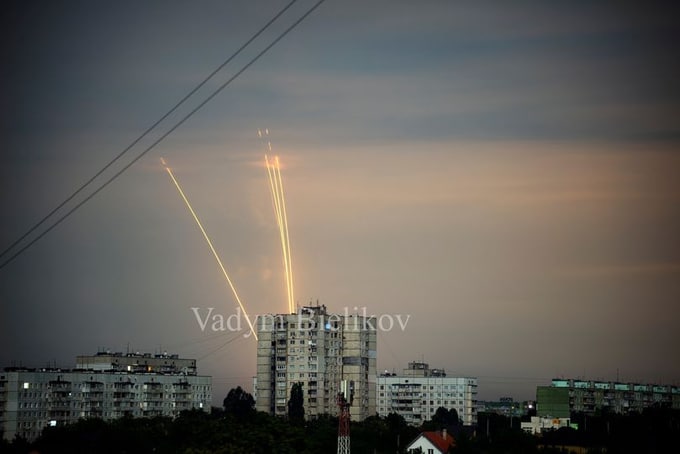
x: 552, y: 402
x: 134, y: 384
x: 539, y: 424
x: 567, y: 396
x: 419, y: 391
x: 321, y: 350
x: 432, y: 443
x: 506, y: 406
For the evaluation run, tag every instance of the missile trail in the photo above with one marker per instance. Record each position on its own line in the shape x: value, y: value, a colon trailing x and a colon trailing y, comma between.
x: 279, y: 210
x: 212, y: 248
x: 285, y: 227
x: 277, y: 214
x: 279, y: 203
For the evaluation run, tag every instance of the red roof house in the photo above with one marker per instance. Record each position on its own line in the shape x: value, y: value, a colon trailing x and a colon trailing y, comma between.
x: 432, y: 443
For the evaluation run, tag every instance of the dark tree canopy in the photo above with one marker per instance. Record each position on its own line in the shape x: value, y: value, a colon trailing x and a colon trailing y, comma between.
x: 198, y: 432
x: 238, y: 402
x: 296, y: 409
x: 446, y: 417
x: 443, y: 419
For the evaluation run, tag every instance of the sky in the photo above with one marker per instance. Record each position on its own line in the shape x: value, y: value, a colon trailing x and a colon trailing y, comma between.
x: 502, y: 175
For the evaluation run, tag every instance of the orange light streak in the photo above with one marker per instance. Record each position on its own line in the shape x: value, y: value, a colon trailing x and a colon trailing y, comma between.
x: 285, y: 225
x: 281, y: 215
x: 212, y: 248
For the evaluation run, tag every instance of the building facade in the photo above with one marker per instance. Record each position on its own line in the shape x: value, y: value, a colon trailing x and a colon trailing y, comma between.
x: 32, y: 399
x: 322, y: 351
x: 419, y: 391
x: 567, y: 396
x: 538, y: 424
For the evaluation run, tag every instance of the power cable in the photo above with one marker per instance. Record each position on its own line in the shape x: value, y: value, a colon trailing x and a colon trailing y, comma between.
x: 157, y: 141
x: 145, y: 133
x: 236, y: 337
x: 196, y: 341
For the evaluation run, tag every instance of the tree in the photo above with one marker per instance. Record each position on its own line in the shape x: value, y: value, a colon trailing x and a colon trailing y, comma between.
x: 238, y: 402
x: 296, y: 409
x: 443, y: 418
x: 446, y: 418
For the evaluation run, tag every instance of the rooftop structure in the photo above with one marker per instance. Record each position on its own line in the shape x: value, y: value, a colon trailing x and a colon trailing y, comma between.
x: 137, y: 362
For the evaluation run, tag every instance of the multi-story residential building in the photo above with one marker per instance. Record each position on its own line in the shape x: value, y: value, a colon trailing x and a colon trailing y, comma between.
x: 31, y: 399
x: 567, y: 396
x: 419, y: 391
x: 320, y: 350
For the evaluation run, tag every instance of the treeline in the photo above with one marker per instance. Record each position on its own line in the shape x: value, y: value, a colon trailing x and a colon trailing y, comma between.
x: 655, y: 430
x: 197, y: 432
x: 238, y: 428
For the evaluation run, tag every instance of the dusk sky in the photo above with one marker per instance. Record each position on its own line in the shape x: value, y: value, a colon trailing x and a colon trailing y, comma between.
x: 507, y: 174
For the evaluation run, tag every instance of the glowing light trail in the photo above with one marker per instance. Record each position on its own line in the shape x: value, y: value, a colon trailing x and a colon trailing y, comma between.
x: 279, y: 203
x: 207, y: 239
x: 285, y: 225
x: 276, y: 185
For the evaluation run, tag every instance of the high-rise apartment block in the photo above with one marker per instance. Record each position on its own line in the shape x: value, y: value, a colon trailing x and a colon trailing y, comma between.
x: 321, y: 350
x: 419, y: 391
x: 106, y: 385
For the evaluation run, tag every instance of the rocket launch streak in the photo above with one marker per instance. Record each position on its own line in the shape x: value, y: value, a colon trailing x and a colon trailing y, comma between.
x: 279, y: 202
x: 207, y: 239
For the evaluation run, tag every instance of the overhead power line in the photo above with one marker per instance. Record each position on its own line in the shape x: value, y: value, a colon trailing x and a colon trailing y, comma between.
x: 229, y: 341
x: 161, y: 138
x: 148, y: 130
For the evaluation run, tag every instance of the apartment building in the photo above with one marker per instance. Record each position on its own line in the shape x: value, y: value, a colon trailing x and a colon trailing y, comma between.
x: 419, y: 391
x: 567, y: 396
x: 32, y: 399
x: 320, y: 350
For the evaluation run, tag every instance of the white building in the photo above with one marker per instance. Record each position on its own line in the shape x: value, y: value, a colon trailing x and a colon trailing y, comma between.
x: 419, y: 391
x: 432, y: 443
x: 319, y: 350
x: 31, y: 399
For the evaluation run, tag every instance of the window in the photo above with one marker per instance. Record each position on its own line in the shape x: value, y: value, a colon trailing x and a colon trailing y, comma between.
x: 430, y: 451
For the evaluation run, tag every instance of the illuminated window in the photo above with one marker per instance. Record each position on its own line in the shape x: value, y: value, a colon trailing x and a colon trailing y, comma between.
x: 26, y: 385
